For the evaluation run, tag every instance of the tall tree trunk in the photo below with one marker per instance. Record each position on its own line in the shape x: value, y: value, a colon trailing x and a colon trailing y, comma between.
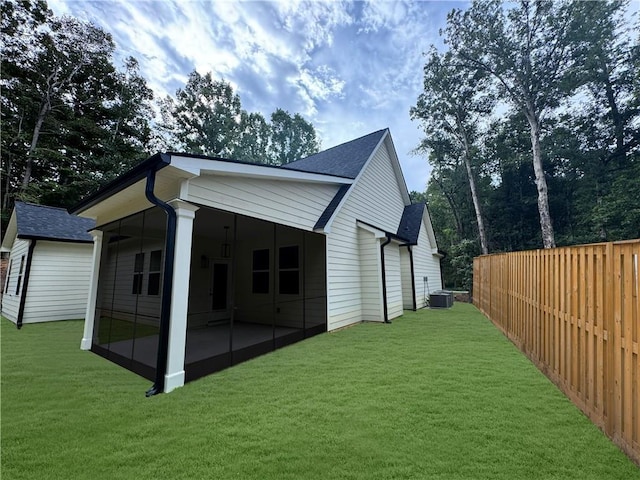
x: 474, y: 193
x: 548, y: 238
x: 46, y: 106
x: 452, y: 205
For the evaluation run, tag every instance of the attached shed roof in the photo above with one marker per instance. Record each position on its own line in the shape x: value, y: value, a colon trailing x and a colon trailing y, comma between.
x: 409, y: 227
x: 345, y: 160
x: 51, y: 223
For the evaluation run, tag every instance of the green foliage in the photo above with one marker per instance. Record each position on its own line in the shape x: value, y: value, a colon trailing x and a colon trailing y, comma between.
x: 573, y: 83
x: 203, y: 116
x: 70, y: 120
x: 458, y: 264
x: 206, y: 118
x: 452, y: 399
x: 292, y: 138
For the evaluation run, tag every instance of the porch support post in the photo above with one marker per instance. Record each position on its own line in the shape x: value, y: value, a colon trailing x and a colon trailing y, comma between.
x: 174, y: 376
x: 90, y: 314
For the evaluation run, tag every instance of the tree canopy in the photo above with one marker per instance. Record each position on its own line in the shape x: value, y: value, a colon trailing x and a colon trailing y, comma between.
x: 72, y: 120
x: 559, y: 147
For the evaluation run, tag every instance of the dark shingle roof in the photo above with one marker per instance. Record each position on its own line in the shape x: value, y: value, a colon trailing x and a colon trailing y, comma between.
x: 51, y: 223
x: 333, y: 204
x: 345, y: 160
x: 409, y: 227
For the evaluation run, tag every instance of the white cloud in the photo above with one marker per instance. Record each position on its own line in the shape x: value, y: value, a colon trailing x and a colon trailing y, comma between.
x: 349, y: 67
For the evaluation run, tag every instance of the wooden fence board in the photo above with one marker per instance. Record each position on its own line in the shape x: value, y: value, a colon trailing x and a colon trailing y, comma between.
x: 575, y: 312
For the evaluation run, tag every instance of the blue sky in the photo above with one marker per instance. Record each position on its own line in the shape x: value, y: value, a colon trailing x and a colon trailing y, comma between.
x: 350, y: 68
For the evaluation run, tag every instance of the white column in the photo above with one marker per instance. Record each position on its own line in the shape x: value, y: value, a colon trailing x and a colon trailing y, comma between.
x: 174, y: 376
x: 89, y: 316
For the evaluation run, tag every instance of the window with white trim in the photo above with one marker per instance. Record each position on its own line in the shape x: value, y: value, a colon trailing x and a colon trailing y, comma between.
x: 20, y: 273
x: 155, y: 265
x: 138, y: 274
x: 6, y: 281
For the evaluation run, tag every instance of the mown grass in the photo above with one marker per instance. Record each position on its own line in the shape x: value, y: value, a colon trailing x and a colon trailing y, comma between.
x: 437, y: 394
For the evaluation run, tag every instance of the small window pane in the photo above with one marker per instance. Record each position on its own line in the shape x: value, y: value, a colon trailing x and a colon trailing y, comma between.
x: 288, y: 257
x: 261, y: 259
x: 289, y: 282
x: 154, y: 284
x: 137, y: 284
x: 139, y: 263
x: 6, y: 281
x: 260, y: 282
x: 155, y: 261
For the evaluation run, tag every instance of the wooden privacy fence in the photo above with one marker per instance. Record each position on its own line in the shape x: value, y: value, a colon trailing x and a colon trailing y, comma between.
x: 575, y: 312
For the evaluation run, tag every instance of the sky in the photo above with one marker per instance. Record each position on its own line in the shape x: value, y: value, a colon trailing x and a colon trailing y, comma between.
x: 350, y: 68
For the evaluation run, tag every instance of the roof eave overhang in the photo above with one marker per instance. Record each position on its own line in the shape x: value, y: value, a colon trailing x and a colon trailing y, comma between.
x: 137, y: 173
x: 52, y: 239
x: 198, y: 166
x: 381, y: 233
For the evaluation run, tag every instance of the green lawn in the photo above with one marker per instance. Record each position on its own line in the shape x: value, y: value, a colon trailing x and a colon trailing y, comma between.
x: 437, y: 394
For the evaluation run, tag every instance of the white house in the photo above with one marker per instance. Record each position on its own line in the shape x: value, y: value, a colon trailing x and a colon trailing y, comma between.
x: 49, y: 264
x: 200, y: 263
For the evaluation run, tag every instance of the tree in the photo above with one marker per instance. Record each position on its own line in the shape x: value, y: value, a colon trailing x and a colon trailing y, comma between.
x: 292, y: 138
x: 204, y: 117
x: 528, y: 51
x: 605, y: 122
x: 452, y: 106
x: 253, y: 139
x: 22, y: 27
x: 70, y: 120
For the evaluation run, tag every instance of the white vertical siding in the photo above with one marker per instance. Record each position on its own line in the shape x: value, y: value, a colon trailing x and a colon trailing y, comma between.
x: 425, y: 264
x: 295, y: 204
x: 394, y: 285
x: 59, y: 281
x: 406, y: 279
x: 370, y: 276
x: 376, y: 199
x: 11, y: 301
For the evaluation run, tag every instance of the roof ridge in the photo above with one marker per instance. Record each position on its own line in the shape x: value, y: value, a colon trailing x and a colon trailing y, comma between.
x: 31, y: 204
x: 338, y: 146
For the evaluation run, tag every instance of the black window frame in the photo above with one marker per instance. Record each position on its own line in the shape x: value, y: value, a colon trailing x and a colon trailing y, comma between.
x: 260, y: 271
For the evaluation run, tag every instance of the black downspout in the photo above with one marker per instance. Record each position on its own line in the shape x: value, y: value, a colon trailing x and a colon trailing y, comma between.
x: 384, y: 281
x: 167, y: 283
x: 25, y: 283
x: 413, y: 279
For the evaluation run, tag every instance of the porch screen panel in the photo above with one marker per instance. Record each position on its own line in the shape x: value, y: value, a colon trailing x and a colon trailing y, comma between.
x: 315, y: 292
x: 128, y: 310
x: 289, y: 287
x: 252, y: 328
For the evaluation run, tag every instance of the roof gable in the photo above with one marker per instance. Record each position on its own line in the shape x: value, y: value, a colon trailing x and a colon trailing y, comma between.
x: 51, y: 223
x: 345, y: 160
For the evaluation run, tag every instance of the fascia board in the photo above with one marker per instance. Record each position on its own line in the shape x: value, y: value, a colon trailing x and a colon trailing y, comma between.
x: 10, y: 233
x: 198, y: 166
x: 395, y: 163
x: 426, y: 218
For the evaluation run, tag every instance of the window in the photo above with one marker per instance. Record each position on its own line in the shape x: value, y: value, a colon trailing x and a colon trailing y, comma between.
x: 6, y: 281
x: 19, y: 282
x: 289, y: 271
x: 260, y: 271
x: 155, y: 265
x: 138, y: 269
